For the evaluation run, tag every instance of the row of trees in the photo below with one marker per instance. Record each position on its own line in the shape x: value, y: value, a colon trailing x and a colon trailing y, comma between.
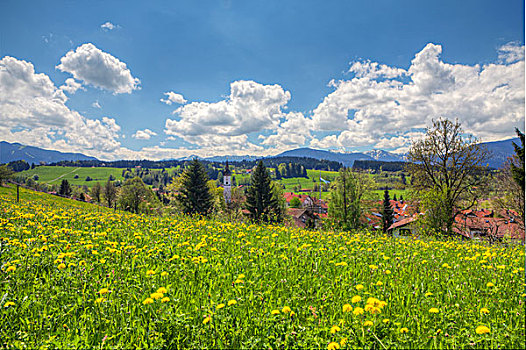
x: 285, y: 171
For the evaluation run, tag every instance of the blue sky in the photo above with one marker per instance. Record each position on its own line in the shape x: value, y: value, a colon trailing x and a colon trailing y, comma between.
x: 255, y: 76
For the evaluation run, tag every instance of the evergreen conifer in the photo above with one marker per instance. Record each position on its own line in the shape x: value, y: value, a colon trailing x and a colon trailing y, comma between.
x: 65, y: 188
x: 261, y: 203
x: 387, y: 213
x: 195, y: 194
x: 517, y: 171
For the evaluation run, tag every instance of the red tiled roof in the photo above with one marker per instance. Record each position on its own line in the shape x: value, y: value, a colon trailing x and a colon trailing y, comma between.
x: 488, y: 226
x: 402, y: 222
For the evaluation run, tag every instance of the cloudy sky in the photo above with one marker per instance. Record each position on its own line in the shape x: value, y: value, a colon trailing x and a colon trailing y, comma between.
x: 157, y: 80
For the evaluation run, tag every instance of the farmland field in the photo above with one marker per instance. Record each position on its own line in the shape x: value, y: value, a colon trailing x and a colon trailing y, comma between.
x: 76, y: 275
x: 55, y: 174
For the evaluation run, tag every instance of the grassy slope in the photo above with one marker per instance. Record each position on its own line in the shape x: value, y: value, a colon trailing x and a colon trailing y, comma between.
x: 262, y: 269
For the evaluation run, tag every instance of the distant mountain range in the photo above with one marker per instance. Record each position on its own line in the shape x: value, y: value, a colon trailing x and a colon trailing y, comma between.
x: 499, y: 152
x: 15, y: 151
x: 346, y: 159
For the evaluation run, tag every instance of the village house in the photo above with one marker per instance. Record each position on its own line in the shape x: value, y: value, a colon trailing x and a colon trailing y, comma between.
x: 472, y: 224
x: 316, y: 205
x: 303, y: 218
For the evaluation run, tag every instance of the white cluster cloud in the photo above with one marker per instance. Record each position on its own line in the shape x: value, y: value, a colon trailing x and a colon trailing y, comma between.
x: 250, y: 108
x: 34, y: 112
x: 172, y: 97
x: 71, y: 86
x: 145, y: 134
x: 100, y: 69
x: 383, y: 106
x: 511, y: 52
x: 109, y: 26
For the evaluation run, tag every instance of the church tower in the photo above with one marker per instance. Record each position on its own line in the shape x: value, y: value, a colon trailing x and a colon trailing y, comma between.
x: 227, y: 184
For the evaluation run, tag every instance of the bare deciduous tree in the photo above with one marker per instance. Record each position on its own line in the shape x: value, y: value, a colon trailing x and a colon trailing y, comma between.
x: 448, y: 162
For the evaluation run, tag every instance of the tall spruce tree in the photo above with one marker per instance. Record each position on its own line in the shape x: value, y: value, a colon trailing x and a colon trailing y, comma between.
x: 65, y: 188
x: 387, y: 213
x: 261, y: 203
x: 517, y: 170
x: 195, y: 194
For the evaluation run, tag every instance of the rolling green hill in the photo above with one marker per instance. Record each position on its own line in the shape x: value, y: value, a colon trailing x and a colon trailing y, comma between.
x: 55, y: 174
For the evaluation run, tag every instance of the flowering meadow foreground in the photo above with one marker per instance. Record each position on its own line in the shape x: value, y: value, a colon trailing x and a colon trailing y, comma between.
x: 75, y: 275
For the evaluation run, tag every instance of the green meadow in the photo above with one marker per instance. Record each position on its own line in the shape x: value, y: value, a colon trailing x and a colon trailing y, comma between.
x: 76, y: 275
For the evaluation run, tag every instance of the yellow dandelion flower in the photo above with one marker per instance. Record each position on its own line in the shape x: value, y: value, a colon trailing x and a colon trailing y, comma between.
x: 162, y: 290
x: 373, y: 267
x: 428, y: 294
x: 164, y: 273
x: 385, y: 320
x: 292, y: 313
x: 156, y: 295
x: 347, y: 308
x: 375, y: 310
x: 103, y: 291
x: 404, y: 330
x: 100, y: 300
x: 333, y: 346
x: 358, y: 311
x: 343, y: 341
x: 489, y: 285
x: 9, y: 303
x: 148, y: 301
x: 61, y: 266
x: 359, y: 287
x: 165, y: 300
x: 484, y: 311
x: 207, y: 319
x: 482, y: 330
x: 286, y: 309
x: 356, y: 299
x: 274, y: 312
x: 368, y: 323
x: 335, y: 329
x: 150, y: 272
x: 220, y: 306
x: 387, y: 272
x: 433, y: 310
x: 379, y: 283
x: 10, y: 268
x: 232, y: 302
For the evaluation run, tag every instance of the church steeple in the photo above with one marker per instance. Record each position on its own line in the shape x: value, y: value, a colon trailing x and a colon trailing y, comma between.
x: 227, y: 184
x: 227, y: 170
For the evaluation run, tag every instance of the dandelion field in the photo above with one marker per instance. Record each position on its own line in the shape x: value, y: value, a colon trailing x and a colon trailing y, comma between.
x: 75, y: 275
